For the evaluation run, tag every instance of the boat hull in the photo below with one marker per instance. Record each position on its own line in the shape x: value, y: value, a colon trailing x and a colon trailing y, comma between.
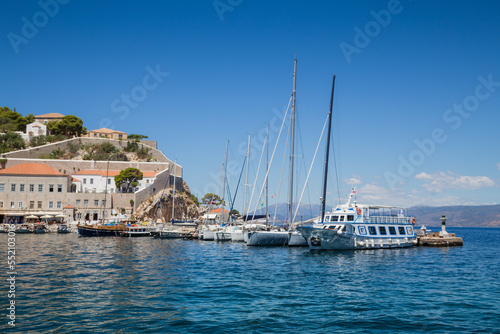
x: 295, y: 239
x: 326, y: 239
x: 267, y: 238
x: 88, y: 231
x: 237, y: 236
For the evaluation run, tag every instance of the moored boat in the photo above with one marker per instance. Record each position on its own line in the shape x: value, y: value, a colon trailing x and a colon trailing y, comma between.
x: 355, y: 226
x: 133, y: 230
x: 63, y: 228
x: 24, y: 228
x: 40, y: 228
x: 112, y: 229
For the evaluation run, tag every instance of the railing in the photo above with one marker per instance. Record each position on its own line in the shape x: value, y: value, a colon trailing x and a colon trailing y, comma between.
x: 387, y: 220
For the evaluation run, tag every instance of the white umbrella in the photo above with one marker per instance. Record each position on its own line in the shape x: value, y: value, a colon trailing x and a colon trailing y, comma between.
x: 47, y: 216
x: 60, y: 215
x: 31, y: 217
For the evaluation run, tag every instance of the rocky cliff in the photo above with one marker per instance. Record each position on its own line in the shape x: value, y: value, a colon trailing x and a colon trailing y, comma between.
x: 185, y: 208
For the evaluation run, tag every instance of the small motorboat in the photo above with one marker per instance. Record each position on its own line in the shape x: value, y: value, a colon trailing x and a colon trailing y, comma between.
x: 63, y: 228
x: 24, y: 228
x: 40, y: 229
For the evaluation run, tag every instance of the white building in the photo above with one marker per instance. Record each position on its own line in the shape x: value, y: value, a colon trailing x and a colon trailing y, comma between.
x: 33, y: 130
x: 97, y: 181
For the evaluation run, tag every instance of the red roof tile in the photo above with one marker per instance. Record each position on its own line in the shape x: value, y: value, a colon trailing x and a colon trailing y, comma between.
x: 218, y: 211
x: 50, y: 115
x: 30, y: 169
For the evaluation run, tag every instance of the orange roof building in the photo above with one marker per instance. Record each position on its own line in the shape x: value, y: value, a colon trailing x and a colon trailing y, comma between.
x: 107, y: 133
x: 45, y: 118
x: 31, y: 169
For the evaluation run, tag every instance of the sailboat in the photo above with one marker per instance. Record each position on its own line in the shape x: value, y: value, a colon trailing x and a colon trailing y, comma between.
x: 278, y: 237
x: 357, y: 226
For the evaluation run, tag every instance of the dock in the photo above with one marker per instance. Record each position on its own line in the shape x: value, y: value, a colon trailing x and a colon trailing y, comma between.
x: 439, y: 239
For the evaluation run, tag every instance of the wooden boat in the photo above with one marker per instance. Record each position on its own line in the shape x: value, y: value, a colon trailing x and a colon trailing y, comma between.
x: 24, y: 228
x: 112, y: 229
x: 133, y: 230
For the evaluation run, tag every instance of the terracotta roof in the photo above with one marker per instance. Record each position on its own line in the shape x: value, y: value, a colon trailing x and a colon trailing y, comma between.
x: 104, y: 130
x: 69, y: 207
x: 50, y: 115
x: 111, y: 173
x: 30, y: 169
x: 218, y: 211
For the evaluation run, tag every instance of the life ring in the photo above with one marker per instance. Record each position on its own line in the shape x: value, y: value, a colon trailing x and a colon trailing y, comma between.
x: 358, y: 210
x: 413, y: 220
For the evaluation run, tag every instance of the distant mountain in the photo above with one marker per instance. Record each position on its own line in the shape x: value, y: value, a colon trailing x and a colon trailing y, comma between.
x: 466, y: 216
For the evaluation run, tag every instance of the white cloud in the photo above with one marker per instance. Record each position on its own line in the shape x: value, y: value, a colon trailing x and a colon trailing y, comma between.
x: 439, y: 181
x: 354, y: 180
x: 376, y: 194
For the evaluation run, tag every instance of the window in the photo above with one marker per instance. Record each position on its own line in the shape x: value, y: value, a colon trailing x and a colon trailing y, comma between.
x: 59, y: 188
x: 120, y: 136
x: 1, y: 204
x: 86, y: 202
x: 21, y: 187
x: 58, y: 205
x: 20, y: 205
x: 51, y: 188
x: 32, y: 188
x: 103, y: 202
x: 334, y: 219
x: 342, y: 218
x: 32, y: 204
x: 84, y: 181
x: 78, y: 202
x: 362, y: 230
x: 96, y: 202
x: 409, y: 230
x: 39, y: 204
x: 401, y: 230
x: 51, y: 205
x: 382, y: 230
x: 79, y: 216
x: 2, y: 187
x: 12, y: 205
x: 13, y: 187
x: 91, y: 181
x: 392, y: 230
x: 109, y: 181
x: 350, y: 218
x: 372, y: 230
x: 40, y: 188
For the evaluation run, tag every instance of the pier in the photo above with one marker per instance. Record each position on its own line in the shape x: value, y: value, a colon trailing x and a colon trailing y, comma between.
x: 439, y: 239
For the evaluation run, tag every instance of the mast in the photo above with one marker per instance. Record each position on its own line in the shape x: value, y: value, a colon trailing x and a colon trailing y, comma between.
x: 292, y: 142
x: 267, y: 173
x: 105, y: 192
x: 327, y: 155
x: 224, y: 184
x: 173, y: 193
x: 246, y: 177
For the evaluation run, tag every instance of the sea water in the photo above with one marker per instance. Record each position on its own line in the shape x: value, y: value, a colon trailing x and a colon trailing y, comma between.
x: 70, y: 284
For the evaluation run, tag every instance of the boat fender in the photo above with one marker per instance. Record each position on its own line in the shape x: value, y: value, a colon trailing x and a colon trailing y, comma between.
x: 361, y: 243
x: 358, y: 210
x: 339, y: 231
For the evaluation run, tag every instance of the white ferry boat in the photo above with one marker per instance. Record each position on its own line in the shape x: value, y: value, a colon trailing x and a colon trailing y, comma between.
x: 355, y: 226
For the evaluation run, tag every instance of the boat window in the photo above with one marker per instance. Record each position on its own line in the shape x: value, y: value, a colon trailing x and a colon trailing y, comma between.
x: 362, y: 230
x: 401, y: 230
x: 342, y: 218
x: 392, y: 230
x: 350, y: 218
x: 344, y: 228
x: 335, y: 218
x: 408, y: 230
x: 372, y: 230
x: 382, y: 230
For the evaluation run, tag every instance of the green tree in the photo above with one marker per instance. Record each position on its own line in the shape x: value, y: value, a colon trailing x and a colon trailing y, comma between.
x: 195, y: 199
x: 53, y: 127
x: 11, y: 141
x: 72, y: 126
x: 38, y: 141
x: 136, y: 137
x: 11, y: 120
x: 211, y: 198
x: 235, y: 213
x: 128, y: 177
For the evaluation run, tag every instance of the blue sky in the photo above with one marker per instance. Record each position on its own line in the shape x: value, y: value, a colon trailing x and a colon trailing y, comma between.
x: 417, y: 97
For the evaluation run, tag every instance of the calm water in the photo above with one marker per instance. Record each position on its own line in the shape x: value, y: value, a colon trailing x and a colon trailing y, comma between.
x: 118, y: 285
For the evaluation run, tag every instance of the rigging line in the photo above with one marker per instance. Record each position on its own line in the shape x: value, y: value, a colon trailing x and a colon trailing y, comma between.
x: 255, y: 182
x: 282, y: 172
x: 309, y: 173
x: 272, y: 157
x: 237, y: 186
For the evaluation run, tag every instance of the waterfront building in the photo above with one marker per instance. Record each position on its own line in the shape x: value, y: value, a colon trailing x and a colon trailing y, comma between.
x: 99, y: 180
x: 45, y: 118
